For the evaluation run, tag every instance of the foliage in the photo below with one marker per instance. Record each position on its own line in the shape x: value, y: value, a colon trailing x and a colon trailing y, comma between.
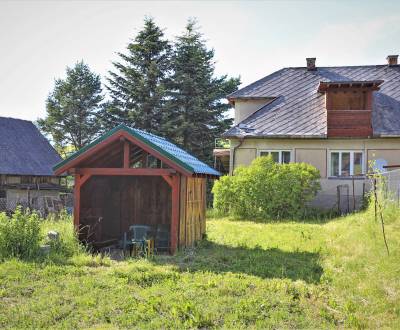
x: 19, y: 235
x: 73, y: 108
x: 245, y: 275
x: 195, y: 110
x: 67, y: 245
x: 267, y: 190
x: 137, y: 86
x: 23, y: 233
x: 166, y: 88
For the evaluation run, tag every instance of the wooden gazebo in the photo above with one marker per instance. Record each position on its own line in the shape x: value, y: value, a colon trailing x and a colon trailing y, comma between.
x: 128, y: 177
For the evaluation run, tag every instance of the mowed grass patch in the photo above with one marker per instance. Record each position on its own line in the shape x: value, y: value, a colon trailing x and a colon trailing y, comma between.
x: 243, y: 275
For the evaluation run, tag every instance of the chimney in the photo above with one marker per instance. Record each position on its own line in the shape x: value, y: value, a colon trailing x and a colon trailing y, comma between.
x: 392, y: 59
x: 311, y: 63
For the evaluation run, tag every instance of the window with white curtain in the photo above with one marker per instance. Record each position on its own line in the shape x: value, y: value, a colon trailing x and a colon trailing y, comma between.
x: 346, y: 163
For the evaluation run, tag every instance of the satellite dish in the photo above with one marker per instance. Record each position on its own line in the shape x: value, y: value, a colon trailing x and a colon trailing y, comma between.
x: 379, y: 165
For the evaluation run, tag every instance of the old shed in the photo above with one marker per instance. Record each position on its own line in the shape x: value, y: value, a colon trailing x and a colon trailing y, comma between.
x: 131, y: 177
x: 26, y: 168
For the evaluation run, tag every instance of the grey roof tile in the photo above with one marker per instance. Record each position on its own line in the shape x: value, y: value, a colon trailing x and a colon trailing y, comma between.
x: 24, y: 150
x: 299, y: 109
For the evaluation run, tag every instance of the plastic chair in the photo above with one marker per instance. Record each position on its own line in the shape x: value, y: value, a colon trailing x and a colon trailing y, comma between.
x: 162, y: 241
x: 139, y: 232
x: 138, y: 241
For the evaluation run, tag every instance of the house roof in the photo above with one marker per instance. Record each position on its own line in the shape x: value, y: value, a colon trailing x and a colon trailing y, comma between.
x: 169, y: 150
x: 24, y: 150
x: 298, y: 109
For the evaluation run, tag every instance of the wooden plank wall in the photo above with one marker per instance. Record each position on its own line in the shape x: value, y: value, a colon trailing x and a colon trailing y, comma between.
x: 192, y: 211
x: 349, y: 112
x: 126, y: 200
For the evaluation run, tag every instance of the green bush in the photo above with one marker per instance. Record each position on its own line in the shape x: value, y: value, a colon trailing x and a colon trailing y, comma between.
x: 20, y: 235
x: 267, y: 190
x: 67, y: 245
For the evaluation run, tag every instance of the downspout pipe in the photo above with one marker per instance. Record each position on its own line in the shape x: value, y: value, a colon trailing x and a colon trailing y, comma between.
x: 241, y: 139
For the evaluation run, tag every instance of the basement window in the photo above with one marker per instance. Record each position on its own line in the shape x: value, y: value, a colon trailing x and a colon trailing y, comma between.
x: 279, y: 156
x: 346, y: 163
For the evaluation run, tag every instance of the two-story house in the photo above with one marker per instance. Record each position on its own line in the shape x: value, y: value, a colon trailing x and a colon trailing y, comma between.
x: 338, y: 119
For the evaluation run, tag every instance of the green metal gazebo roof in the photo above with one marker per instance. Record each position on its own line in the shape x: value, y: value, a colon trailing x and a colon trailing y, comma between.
x: 157, y: 143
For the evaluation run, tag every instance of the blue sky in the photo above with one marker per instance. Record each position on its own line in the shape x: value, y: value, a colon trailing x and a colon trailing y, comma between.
x: 38, y: 39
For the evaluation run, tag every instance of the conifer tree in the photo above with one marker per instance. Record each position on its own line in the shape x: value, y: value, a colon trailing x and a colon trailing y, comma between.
x: 196, y: 109
x: 73, y: 108
x: 137, y: 86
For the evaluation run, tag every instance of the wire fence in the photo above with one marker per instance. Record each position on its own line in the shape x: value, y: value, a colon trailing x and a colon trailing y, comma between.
x: 388, y: 183
x: 44, y: 204
x: 343, y: 195
x: 386, y: 198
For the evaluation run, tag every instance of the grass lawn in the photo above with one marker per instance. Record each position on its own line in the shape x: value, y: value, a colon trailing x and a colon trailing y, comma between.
x: 244, y: 275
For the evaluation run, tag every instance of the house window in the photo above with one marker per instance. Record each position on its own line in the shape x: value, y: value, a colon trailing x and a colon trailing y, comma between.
x: 3, y: 194
x: 346, y: 163
x: 279, y: 156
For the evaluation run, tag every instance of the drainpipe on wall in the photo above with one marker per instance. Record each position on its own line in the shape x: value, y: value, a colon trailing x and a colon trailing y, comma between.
x: 241, y: 139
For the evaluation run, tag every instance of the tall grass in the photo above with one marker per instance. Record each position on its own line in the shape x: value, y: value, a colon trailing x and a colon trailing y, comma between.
x: 23, y: 235
x: 245, y: 275
x: 20, y: 235
x: 67, y: 245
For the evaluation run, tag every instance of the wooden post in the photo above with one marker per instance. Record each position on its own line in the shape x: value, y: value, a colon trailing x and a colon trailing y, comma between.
x: 175, y: 213
x: 77, y: 201
x: 126, y: 154
x: 375, y: 202
x: 354, y: 196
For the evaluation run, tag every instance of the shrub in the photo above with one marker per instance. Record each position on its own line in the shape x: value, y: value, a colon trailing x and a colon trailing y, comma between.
x: 67, y: 245
x: 266, y: 189
x: 19, y: 235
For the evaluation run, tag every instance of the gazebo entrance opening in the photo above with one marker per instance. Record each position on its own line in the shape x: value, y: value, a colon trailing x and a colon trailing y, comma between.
x: 111, y: 205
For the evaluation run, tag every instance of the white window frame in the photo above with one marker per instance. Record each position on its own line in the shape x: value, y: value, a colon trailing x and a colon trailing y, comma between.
x: 351, y: 162
x: 280, y: 153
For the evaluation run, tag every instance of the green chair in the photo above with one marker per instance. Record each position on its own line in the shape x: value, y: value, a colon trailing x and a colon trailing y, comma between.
x: 136, y: 240
x: 162, y: 240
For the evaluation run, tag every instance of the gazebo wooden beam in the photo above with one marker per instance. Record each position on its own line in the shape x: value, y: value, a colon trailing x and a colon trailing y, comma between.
x: 84, y: 178
x: 121, y: 136
x: 125, y: 171
x: 175, y: 212
x: 126, y: 154
x: 77, y: 201
x: 168, y: 179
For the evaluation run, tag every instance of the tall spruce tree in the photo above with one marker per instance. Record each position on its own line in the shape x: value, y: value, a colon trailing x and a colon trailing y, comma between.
x: 196, y: 110
x: 137, y: 86
x: 72, y: 109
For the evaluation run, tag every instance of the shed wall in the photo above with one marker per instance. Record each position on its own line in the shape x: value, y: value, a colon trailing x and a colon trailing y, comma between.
x: 192, y: 210
x: 125, y: 200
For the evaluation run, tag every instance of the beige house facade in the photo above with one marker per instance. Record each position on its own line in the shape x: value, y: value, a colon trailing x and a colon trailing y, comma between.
x: 318, y: 152
x: 342, y: 120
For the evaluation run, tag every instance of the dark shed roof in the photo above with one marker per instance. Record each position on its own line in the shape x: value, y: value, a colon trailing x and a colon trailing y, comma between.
x: 24, y: 150
x: 298, y: 110
x: 157, y: 143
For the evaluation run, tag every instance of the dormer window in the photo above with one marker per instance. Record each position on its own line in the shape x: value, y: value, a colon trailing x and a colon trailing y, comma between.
x: 349, y: 107
x: 351, y: 99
